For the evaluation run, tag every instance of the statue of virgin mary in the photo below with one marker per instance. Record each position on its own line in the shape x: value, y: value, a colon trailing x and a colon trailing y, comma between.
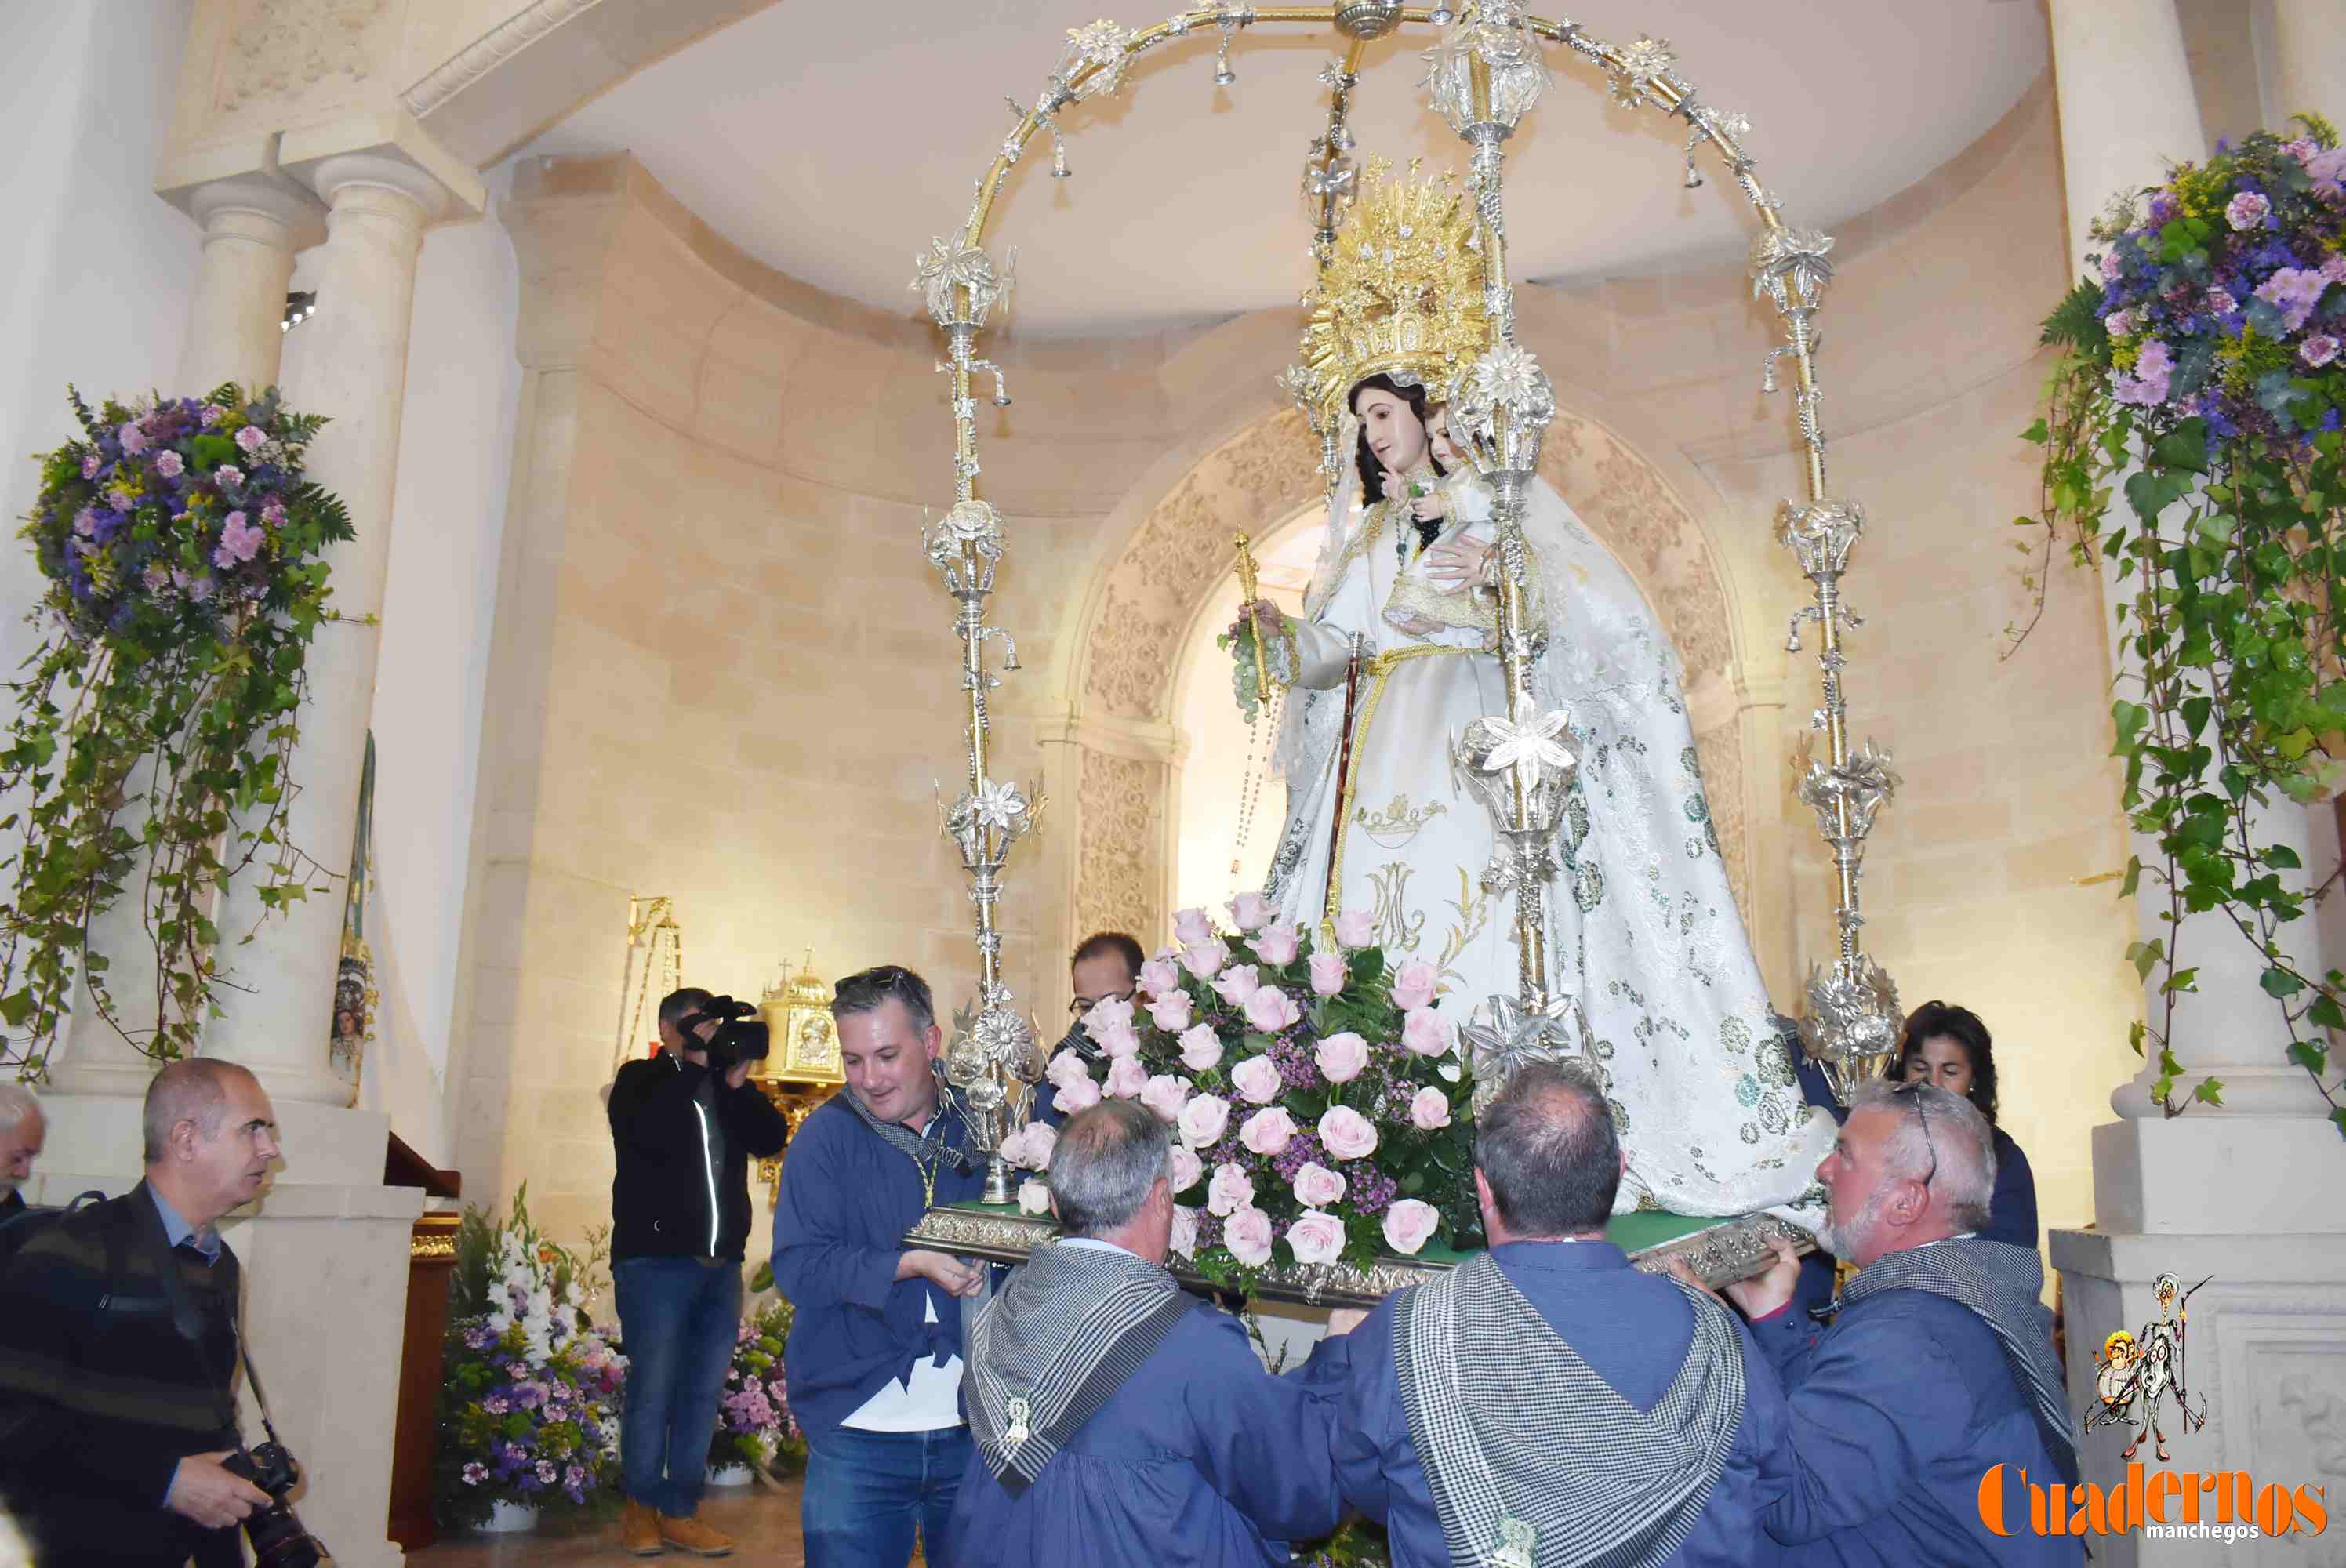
x: 1395, y: 654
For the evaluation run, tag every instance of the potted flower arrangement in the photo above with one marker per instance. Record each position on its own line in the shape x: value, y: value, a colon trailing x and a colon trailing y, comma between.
x: 529, y: 1408
x: 755, y: 1429
x: 2202, y: 382
x: 1319, y: 1097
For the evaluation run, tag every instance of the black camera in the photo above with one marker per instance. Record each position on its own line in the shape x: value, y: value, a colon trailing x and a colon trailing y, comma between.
x: 740, y: 1035
x: 278, y: 1539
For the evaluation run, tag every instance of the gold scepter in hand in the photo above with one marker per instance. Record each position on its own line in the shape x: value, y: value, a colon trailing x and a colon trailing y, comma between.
x: 1247, y: 595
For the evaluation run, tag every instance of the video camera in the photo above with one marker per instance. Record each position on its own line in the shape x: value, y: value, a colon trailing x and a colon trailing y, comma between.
x: 740, y: 1036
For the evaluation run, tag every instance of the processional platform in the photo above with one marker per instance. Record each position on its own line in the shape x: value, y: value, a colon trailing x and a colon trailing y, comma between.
x: 1718, y: 1250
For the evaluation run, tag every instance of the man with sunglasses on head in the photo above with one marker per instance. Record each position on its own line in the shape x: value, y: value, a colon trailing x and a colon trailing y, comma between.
x: 875, y: 1353
x: 1939, y: 1365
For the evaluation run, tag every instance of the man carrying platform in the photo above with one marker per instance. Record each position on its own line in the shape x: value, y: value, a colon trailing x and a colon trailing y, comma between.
x: 1117, y: 1420
x: 1939, y: 1365
x: 874, y: 1360
x: 1546, y: 1402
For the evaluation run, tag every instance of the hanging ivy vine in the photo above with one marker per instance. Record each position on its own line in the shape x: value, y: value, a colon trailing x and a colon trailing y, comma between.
x: 2202, y: 383
x: 154, y: 727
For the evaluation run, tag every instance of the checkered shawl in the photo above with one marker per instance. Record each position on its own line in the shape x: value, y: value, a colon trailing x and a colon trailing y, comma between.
x: 2003, y: 1284
x: 1514, y: 1429
x: 927, y: 1150
x: 1067, y: 1331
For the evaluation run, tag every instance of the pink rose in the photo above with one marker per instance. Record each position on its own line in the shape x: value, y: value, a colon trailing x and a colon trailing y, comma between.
x: 1034, y: 1197
x: 1425, y: 1033
x: 1172, y: 1013
x: 1341, y: 1057
x: 1328, y: 974
x: 1186, y: 1169
x: 1106, y: 1013
x: 1269, y: 1010
x: 1257, y: 1079
x: 250, y: 439
x: 1065, y: 1069
x: 1185, y: 1230
x: 1236, y: 983
x: 1429, y: 1109
x: 1230, y: 1190
x: 1192, y: 928
x: 1204, y: 959
x: 1347, y: 1134
x: 168, y: 464
x: 1159, y: 978
x: 1253, y: 912
x: 1267, y: 1131
x: 1410, y: 1225
x: 1413, y: 986
x: 1081, y: 1095
x: 1030, y: 1146
x: 1247, y: 1233
x: 1279, y: 945
x: 1121, y: 1042
x: 1201, y: 1048
x: 1316, y: 1237
x: 1203, y: 1120
x: 1126, y: 1077
x: 1355, y: 927
x: 1165, y: 1094
x: 1317, y: 1186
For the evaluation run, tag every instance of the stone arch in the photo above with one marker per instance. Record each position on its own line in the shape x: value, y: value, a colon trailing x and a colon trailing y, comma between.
x: 1146, y: 591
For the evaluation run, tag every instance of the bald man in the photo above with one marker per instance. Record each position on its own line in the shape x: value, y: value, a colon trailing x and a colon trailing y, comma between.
x: 114, y: 1419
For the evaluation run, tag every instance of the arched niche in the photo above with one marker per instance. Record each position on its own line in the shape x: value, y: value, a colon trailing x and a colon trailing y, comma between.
x: 1169, y: 547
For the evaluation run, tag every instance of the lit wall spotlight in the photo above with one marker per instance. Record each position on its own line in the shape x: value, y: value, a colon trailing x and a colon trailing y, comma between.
x: 299, y: 308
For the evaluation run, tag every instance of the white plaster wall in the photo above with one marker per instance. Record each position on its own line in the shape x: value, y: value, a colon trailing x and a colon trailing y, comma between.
x: 95, y: 277
x: 447, y: 519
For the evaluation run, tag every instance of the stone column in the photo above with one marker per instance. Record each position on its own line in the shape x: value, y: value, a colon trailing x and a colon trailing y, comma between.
x: 352, y: 368
x: 2309, y: 50
x: 2127, y: 103
x: 2221, y: 1192
x: 251, y: 226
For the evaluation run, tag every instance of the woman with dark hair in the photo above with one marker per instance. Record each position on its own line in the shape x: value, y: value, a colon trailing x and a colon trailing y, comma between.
x: 1949, y: 1046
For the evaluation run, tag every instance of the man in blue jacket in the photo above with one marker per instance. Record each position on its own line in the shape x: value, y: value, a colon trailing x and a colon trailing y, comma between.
x: 1117, y: 1420
x: 684, y: 1131
x: 1547, y: 1401
x: 1939, y: 1366
x: 874, y: 1360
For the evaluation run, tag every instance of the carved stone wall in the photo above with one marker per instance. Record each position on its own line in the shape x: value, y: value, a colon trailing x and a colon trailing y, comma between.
x: 1121, y: 847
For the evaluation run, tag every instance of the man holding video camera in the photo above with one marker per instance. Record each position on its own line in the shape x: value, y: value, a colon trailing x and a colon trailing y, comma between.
x: 686, y: 1123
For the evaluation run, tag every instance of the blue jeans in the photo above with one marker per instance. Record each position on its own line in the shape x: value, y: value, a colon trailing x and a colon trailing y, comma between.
x: 866, y: 1491
x: 679, y: 1318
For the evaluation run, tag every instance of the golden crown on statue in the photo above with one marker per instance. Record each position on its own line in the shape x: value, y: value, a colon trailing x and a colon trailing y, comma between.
x: 1402, y: 295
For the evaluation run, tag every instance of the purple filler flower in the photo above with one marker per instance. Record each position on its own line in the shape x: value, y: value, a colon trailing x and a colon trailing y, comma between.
x: 91, y: 465
x: 2319, y: 351
x: 2248, y: 210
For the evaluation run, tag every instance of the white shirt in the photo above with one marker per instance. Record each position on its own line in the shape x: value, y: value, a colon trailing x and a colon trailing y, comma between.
x: 929, y: 1401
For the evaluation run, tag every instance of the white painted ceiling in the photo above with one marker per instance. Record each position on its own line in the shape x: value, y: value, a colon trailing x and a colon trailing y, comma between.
x: 833, y: 141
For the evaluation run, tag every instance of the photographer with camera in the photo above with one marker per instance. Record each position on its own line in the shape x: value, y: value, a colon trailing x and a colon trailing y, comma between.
x: 120, y: 1346
x: 686, y: 1123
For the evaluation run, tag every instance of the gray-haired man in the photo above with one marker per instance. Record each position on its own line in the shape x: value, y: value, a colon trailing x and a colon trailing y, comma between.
x: 23, y: 1129
x: 1116, y: 1420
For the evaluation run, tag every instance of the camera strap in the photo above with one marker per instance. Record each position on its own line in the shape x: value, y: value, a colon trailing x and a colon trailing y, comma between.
x: 188, y: 1318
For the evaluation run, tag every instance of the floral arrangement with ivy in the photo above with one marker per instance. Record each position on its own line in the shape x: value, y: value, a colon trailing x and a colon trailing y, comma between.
x: 531, y: 1391
x: 155, y: 723
x: 754, y: 1424
x: 1322, y: 1112
x: 2202, y: 379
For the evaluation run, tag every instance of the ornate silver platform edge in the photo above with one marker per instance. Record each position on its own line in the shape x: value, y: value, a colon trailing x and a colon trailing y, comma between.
x: 1719, y: 1255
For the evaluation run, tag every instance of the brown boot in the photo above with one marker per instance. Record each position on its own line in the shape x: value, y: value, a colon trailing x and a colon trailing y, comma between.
x: 639, y: 1529
x: 695, y: 1537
